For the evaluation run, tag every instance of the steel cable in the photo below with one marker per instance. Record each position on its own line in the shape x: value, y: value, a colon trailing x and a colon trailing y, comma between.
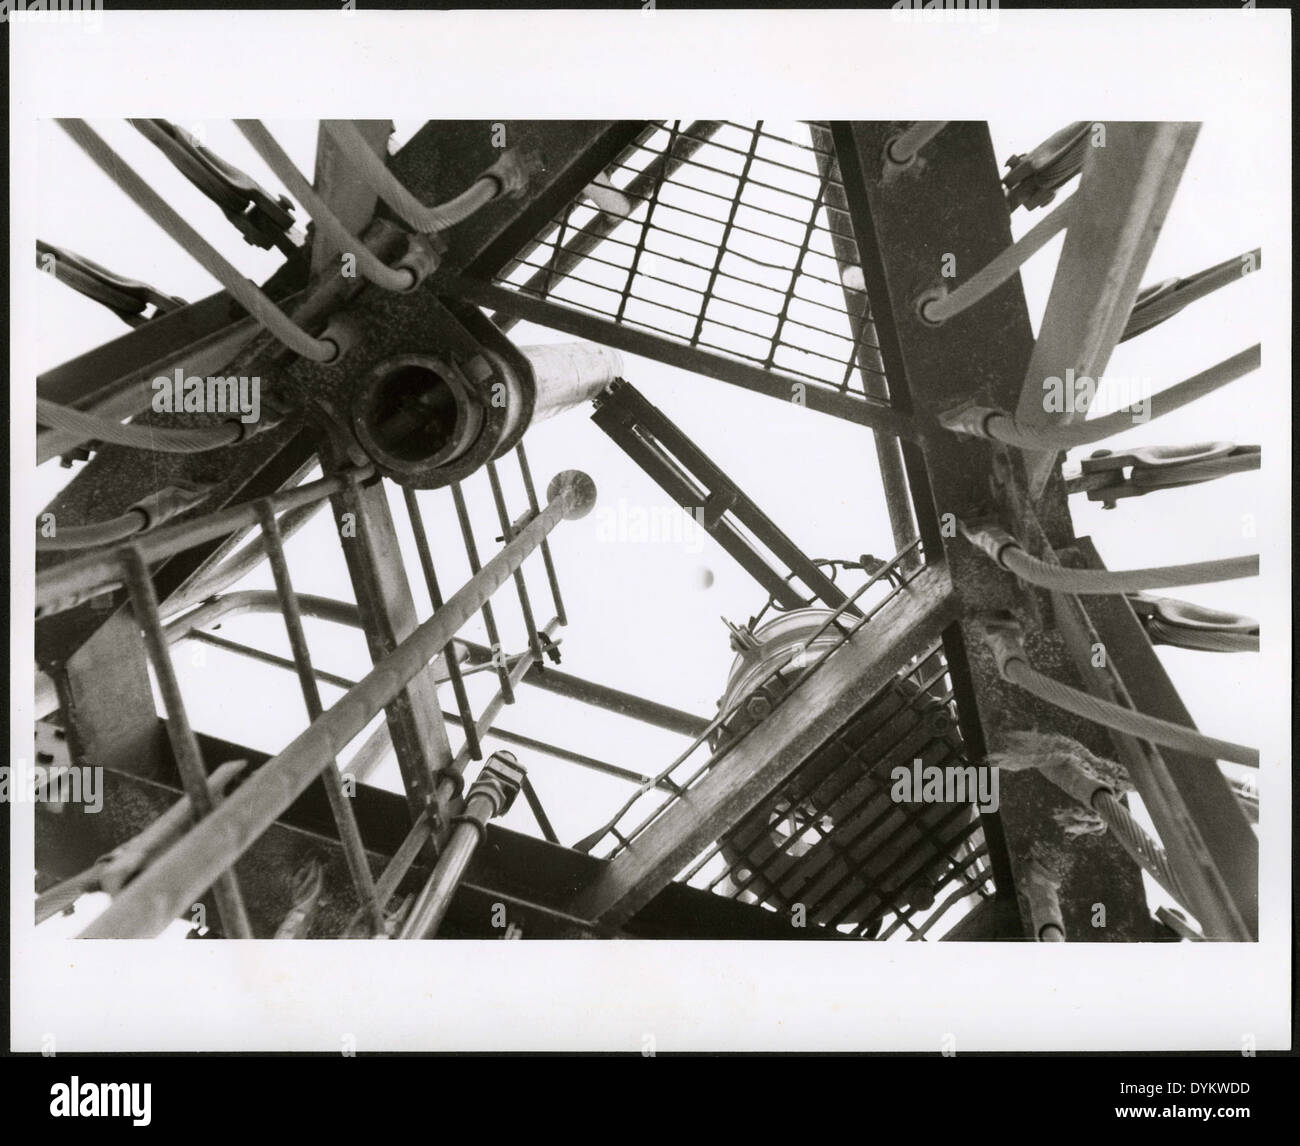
x: 161, y: 439
x: 368, y: 263
x: 416, y: 215
x: 997, y: 424
x: 1008, y: 553
x: 1137, y: 843
x: 1113, y: 716
x: 940, y: 307
x: 245, y: 292
x: 89, y: 536
x: 1058, y: 577
x: 1159, y: 303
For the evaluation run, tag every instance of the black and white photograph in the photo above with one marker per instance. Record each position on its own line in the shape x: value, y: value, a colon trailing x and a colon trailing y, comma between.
x: 783, y: 515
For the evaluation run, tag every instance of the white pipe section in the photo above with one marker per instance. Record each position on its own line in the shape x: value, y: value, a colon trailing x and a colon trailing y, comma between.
x: 570, y: 373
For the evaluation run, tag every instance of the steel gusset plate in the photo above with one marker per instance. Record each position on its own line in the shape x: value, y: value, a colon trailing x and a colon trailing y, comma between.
x: 400, y: 337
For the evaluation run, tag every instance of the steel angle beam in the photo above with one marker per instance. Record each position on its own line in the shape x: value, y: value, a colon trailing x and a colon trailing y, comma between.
x: 531, y: 877
x: 1197, y: 816
x: 679, y: 467
x: 949, y: 206
x: 819, y: 706
x: 695, y: 360
x: 387, y: 612
x: 443, y: 158
x: 350, y: 198
x: 1128, y: 184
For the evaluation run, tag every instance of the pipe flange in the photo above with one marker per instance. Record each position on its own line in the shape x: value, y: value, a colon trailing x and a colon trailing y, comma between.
x: 414, y: 412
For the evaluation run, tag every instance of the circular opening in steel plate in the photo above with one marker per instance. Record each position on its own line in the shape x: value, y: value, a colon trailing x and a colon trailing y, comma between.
x: 417, y: 411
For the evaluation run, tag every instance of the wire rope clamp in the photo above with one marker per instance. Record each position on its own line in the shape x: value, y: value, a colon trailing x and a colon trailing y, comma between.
x: 992, y: 538
x: 1160, y: 467
x: 969, y: 420
x: 514, y: 170
x: 1004, y: 635
x: 925, y: 304
x: 422, y: 256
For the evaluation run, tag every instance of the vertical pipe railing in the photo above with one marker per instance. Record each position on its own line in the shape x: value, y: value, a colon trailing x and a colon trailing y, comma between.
x: 507, y: 535
x: 185, y: 745
x: 349, y: 834
x: 531, y: 493
x: 435, y: 599
x: 489, y: 618
x: 518, y: 670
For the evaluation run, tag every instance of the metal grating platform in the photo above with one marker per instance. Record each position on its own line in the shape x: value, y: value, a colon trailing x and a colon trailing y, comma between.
x: 702, y: 246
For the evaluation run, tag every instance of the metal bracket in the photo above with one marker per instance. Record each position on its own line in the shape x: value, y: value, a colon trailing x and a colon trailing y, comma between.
x: 126, y: 298
x: 264, y: 221
x: 1159, y: 467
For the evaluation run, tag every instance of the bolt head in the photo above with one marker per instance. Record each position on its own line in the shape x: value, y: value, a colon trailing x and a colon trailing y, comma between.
x: 478, y: 369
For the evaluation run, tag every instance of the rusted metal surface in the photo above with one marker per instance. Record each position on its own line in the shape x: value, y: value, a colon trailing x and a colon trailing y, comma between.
x: 444, y: 158
x: 387, y: 610
x: 1201, y: 823
x: 906, y: 221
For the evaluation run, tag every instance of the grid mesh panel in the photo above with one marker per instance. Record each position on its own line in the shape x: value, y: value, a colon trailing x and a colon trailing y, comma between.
x: 829, y: 836
x: 726, y: 237
x: 652, y: 799
x: 832, y: 840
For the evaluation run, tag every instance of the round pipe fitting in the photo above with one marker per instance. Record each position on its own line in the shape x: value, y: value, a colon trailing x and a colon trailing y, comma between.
x: 420, y: 258
x: 344, y: 331
x: 416, y: 411
x: 429, y: 421
x: 569, y: 374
